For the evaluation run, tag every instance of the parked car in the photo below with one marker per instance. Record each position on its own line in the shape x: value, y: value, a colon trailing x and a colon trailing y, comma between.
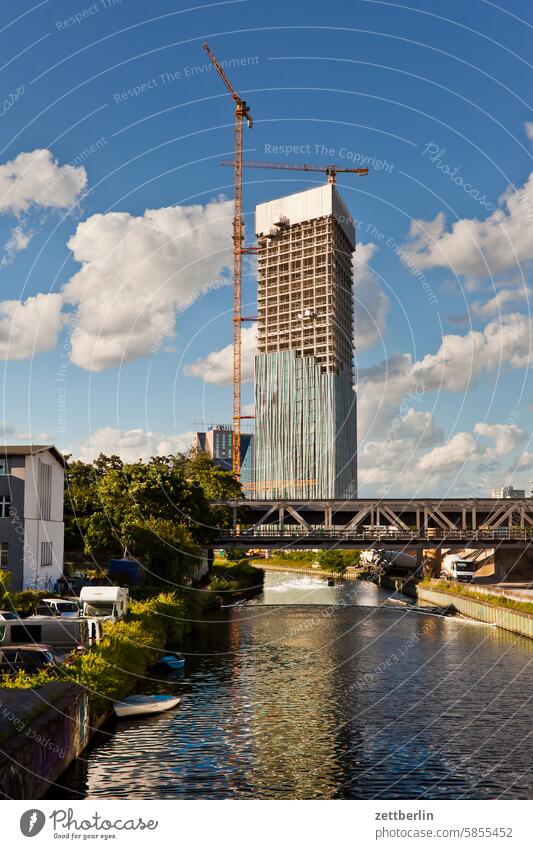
x: 5, y: 615
x: 57, y: 607
x: 27, y: 657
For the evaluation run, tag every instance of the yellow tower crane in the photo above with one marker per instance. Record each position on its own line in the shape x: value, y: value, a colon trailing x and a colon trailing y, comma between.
x: 242, y: 113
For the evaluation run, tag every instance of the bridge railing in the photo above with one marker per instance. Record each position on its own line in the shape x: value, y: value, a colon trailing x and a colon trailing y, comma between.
x: 298, y: 532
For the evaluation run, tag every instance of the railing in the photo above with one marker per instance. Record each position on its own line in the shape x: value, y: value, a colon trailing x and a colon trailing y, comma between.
x: 293, y: 532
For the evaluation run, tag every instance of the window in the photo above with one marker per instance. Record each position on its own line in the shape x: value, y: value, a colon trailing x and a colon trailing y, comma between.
x: 5, y: 506
x: 46, y: 554
x: 45, y: 489
x: 4, y: 553
x: 3, y: 467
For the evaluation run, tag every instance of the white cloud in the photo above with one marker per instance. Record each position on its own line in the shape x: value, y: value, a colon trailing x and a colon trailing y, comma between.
x: 36, y: 178
x: 506, y: 438
x: 371, y: 305
x: 477, y: 248
x: 449, y: 457
x: 528, y: 126
x: 30, y: 327
x: 131, y: 445
x: 501, y: 299
x: 217, y: 367
x: 137, y: 272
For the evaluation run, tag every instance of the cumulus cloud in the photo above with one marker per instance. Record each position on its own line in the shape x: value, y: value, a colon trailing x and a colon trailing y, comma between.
x: 477, y: 248
x: 36, y: 178
x: 528, y: 126
x: 32, y: 183
x: 137, y: 272
x: 131, y: 445
x: 29, y: 327
x: 217, y: 366
x: 451, y: 456
x: 503, y: 297
x: 371, y: 303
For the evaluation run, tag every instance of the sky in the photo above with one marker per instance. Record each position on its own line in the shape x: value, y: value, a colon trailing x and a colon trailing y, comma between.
x: 115, y: 220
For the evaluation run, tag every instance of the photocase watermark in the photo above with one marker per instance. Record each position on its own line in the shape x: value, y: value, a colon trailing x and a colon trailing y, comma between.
x: 436, y: 154
x: 341, y: 154
x: 86, y: 13
x: 10, y: 99
x: 390, y: 242
x: 413, y: 397
x: 61, y: 377
x: 21, y: 234
x: 23, y: 728
x: 364, y: 681
x: 185, y: 73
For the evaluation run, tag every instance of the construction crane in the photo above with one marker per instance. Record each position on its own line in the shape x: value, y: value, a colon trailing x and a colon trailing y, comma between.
x: 330, y: 170
x: 242, y: 113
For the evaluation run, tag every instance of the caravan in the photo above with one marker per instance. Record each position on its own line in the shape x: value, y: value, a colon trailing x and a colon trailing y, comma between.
x: 108, y: 603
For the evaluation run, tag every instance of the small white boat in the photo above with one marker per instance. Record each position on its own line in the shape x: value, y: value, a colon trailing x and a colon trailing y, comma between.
x: 143, y: 705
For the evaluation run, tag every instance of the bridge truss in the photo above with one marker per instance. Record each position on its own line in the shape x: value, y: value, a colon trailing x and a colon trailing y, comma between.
x: 363, y: 523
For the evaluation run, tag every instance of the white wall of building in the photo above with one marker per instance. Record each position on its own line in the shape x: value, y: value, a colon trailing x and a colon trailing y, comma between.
x: 37, y: 530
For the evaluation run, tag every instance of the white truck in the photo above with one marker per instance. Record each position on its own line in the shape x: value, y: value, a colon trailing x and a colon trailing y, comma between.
x: 455, y: 569
x: 106, y: 603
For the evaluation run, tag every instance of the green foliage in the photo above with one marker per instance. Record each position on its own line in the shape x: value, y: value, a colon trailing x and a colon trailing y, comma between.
x: 468, y: 591
x: 236, y: 575
x: 236, y: 554
x: 336, y: 560
x: 295, y: 557
x: 159, y: 512
x: 111, y: 669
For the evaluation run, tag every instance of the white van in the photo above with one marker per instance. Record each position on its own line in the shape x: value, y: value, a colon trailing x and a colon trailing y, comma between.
x: 107, y: 603
x: 55, y: 631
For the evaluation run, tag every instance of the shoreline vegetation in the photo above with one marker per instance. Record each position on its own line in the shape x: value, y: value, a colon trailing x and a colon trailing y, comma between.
x: 161, y: 514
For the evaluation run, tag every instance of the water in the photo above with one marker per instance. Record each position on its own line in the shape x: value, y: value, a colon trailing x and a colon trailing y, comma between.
x: 334, y: 693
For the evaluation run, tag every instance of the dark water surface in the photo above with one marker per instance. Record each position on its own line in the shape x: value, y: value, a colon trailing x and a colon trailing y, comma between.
x: 334, y: 693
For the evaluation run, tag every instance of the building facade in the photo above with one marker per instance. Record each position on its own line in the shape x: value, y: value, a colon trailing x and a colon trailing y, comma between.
x: 305, y: 404
x: 31, y: 515
x: 217, y: 442
x: 508, y: 492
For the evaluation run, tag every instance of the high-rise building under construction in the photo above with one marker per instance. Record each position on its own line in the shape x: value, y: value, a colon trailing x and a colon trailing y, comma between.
x: 305, y: 404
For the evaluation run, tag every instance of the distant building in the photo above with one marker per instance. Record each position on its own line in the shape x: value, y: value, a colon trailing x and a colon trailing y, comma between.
x: 508, y: 492
x: 217, y: 442
x: 31, y: 515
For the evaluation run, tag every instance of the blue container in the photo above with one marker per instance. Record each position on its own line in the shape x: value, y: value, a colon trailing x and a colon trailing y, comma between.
x: 128, y: 571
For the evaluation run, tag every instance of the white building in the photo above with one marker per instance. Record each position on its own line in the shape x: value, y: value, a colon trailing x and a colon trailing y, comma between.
x: 508, y: 492
x: 31, y: 515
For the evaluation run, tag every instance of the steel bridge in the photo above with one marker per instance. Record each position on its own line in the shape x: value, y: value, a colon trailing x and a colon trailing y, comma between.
x: 365, y: 523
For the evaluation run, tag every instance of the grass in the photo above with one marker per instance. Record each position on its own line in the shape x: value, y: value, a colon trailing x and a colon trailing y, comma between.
x: 494, y: 600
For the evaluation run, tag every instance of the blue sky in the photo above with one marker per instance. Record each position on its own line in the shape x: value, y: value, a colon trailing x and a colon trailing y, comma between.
x: 114, y: 322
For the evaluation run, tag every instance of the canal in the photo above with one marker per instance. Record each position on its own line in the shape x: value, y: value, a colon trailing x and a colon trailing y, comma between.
x: 340, y: 692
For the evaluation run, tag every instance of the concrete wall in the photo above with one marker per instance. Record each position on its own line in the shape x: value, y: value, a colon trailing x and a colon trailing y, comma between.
x: 504, y: 617
x: 41, y: 732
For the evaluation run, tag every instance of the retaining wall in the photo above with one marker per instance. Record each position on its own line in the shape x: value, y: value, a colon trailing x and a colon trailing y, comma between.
x: 504, y: 617
x: 41, y: 732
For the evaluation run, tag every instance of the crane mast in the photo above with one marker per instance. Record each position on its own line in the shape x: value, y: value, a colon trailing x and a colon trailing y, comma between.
x: 242, y: 113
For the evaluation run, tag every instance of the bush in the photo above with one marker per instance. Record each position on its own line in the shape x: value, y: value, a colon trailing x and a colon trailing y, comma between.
x: 336, y: 560
x: 237, y: 575
x: 125, y: 652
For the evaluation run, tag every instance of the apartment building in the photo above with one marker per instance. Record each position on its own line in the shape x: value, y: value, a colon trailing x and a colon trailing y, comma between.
x: 31, y: 515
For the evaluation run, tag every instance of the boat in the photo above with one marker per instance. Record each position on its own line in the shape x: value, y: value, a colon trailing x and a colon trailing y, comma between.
x: 172, y: 661
x: 143, y: 705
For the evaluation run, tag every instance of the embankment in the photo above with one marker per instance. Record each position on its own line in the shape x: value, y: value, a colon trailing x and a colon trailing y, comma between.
x: 41, y: 732
x: 506, y: 615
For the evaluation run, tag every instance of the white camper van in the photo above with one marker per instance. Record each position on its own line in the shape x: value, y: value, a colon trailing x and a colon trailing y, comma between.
x: 55, y: 631
x: 107, y: 602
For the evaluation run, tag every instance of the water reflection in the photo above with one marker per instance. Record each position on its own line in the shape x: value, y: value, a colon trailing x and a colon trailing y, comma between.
x: 328, y: 701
